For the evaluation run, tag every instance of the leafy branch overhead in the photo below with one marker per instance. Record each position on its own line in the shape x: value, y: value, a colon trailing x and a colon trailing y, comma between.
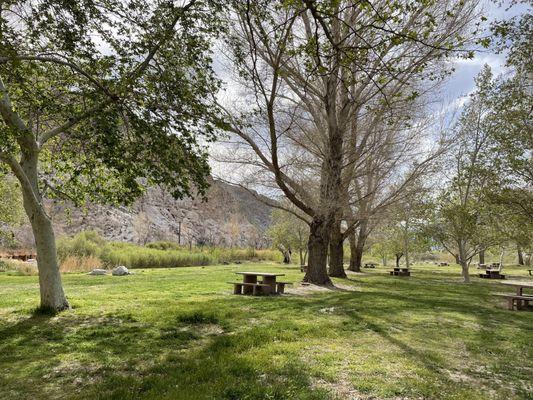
x: 111, y: 90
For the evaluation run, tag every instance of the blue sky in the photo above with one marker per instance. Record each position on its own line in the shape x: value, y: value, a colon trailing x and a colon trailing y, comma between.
x: 462, y: 81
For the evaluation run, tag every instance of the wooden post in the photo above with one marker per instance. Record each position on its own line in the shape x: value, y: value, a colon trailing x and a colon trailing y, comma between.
x: 248, y: 279
x: 270, y: 280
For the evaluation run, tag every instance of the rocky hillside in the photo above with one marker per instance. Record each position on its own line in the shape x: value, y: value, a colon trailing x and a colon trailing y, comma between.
x: 231, y: 216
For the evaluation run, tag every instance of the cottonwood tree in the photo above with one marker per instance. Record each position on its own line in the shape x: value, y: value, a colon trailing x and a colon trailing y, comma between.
x: 397, y: 158
x: 310, y: 70
x: 289, y: 233
x: 95, y: 95
x: 465, y: 221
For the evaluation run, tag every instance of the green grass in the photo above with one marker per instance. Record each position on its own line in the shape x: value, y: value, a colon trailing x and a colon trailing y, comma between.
x: 180, y: 334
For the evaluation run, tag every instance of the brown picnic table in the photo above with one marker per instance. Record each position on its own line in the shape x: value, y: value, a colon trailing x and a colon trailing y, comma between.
x: 492, y: 271
x: 257, y: 283
x: 520, y: 300
x: 400, y: 271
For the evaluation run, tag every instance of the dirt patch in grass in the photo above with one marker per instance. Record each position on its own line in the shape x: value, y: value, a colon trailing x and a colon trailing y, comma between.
x: 302, y: 289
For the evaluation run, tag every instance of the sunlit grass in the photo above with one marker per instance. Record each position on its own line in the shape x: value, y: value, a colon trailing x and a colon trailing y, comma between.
x: 180, y: 334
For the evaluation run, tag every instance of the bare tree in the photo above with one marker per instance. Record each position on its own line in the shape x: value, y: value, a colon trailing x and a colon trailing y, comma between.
x: 313, y: 72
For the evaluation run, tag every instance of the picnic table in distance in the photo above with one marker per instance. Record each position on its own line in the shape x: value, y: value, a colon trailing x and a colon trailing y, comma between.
x: 400, y: 272
x: 518, y: 300
x: 370, y: 265
x: 492, y: 271
x: 252, y: 285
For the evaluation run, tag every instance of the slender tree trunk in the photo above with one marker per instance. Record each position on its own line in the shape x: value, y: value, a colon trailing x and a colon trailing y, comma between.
x: 286, y: 256
x: 353, y: 251
x: 384, y: 261
x: 520, y: 256
x: 336, y: 252
x: 51, y: 289
x: 482, y: 256
x: 318, y: 253
x: 406, y: 244
x: 465, y: 272
x: 398, y: 257
x: 457, y: 260
x: 464, y: 263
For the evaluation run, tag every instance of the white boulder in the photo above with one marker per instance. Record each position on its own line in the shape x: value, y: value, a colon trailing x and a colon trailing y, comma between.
x: 98, y: 271
x: 120, y: 271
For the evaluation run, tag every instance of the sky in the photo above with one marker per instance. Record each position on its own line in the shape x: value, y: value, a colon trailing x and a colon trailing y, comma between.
x: 461, y: 83
x: 452, y: 95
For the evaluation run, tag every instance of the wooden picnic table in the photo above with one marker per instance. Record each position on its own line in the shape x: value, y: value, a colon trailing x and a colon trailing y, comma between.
x: 251, y: 285
x: 520, y: 286
x: 398, y: 271
x: 519, y: 299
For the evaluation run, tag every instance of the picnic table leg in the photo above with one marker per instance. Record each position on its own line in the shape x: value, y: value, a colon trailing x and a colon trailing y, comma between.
x: 270, y: 280
x: 248, y: 279
x: 237, y: 289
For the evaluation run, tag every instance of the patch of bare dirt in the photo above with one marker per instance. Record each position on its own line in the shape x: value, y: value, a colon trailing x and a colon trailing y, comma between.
x: 303, y: 289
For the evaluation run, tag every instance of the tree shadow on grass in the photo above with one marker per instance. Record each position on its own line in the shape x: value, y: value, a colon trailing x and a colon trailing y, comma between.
x: 116, y: 356
x: 120, y: 356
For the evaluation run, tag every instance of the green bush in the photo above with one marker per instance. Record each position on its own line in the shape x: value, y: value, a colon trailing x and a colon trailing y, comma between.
x: 84, y: 244
x: 144, y: 257
x: 164, y: 246
x: 154, y: 255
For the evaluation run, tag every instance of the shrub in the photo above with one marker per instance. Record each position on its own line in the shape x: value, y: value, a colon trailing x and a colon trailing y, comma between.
x: 88, y: 250
x: 164, y: 246
x: 16, y: 267
x: 142, y: 257
x: 84, y: 244
x: 80, y: 264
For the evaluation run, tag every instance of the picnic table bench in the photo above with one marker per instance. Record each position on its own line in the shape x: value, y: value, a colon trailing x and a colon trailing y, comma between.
x: 518, y: 300
x: 252, y: 285
x: 492, y: 271
x: 400, y: 272
x: 370, y: 265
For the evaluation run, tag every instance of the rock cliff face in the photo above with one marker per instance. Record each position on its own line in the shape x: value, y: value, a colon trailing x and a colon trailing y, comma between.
x: 231, y: 216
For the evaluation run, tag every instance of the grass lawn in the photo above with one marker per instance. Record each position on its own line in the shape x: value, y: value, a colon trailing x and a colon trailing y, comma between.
x: 180, y: 334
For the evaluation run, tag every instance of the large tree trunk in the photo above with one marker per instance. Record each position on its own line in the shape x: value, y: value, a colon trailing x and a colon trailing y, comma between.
x: 52, y: 294
x: 356, y: 248
x: 336, y: 252
x: 353, y: 251
x: 520, y: 256
x: 318, y: 253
